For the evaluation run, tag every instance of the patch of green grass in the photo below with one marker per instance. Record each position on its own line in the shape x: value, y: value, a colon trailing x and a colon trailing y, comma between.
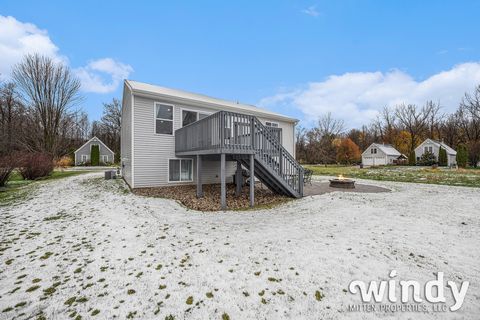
x: 19, y: 190
x: 130, y: 291
x: 49, y: 291
x: 95, y: 312
x: 33, y: 288
x: 189, y: 300
x: 46, y: 255
x: 319, y: 296
x: 9, y: 262
x: 170, y: 317
x: 70, y: 301
x: 20, y: 304
x: 444, y: 176
x: 36, y: 280
x: 209, y: 295
x: 225, y: 316
x: 7, y: 309
x: 82, y: 300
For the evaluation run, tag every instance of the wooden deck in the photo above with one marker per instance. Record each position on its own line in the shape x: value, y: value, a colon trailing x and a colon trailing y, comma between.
x: 245, y: 139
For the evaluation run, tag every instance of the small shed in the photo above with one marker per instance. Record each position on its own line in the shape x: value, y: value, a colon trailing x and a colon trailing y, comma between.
x: 379, y: 154
x: 83, y: 154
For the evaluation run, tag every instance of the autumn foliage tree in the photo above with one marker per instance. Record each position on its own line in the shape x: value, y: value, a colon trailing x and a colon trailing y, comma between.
x: 348, y: 152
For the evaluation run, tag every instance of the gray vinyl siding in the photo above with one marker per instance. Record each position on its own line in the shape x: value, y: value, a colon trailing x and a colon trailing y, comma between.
x: 451, y: 158
x: 87, y: 149
x: 151, y: 151
x: 126, y: 136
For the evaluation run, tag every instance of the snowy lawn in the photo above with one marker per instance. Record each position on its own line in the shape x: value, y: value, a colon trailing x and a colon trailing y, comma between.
x: 86, y: 247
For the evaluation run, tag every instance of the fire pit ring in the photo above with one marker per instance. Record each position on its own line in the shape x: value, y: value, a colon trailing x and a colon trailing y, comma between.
x: 342, y: 182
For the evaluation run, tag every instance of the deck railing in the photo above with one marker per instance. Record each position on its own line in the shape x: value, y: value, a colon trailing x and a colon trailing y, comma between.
x: 231, y: 132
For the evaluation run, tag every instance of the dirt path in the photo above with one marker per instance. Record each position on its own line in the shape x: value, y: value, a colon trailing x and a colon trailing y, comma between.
x: 85, y: 246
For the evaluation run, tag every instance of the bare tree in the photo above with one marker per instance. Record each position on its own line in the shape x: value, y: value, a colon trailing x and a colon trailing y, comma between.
x: 12, y: 114
x: 51, y: 91
x: 108, y: 128
x: 329, y: 126
x: 468, y: 117
x: 415, y: 121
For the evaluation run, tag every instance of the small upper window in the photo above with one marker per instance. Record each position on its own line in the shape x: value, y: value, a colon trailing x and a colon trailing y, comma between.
x: 271, y: 124
x: 189, y: 117
x: 163, y: 118
x: 374, y: 150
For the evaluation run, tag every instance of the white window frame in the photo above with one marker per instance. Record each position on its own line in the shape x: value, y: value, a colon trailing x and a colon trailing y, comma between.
x: 374, y: 150
x: 192, y: 110
x: 155, y: 119
x: 103, y: 156
x: 84, y: 156
x: 180, y: 173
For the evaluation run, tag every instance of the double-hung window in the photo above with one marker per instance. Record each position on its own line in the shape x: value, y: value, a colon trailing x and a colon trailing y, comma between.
x: 163, y: 118
x: 189, y: 117
x: 180, y: 170
x: 374, y: 151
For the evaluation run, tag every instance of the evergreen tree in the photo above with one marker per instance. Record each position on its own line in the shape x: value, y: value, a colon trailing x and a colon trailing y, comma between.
x: 95, y: 155
x: 462, y: 156
x: 442, y: 157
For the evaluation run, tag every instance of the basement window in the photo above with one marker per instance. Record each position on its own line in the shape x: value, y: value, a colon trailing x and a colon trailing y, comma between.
x: 180, y: 170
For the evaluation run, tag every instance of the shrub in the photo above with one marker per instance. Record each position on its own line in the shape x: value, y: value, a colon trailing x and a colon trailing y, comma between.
x: 95, y: 155
x: 35, y: 165
x: 7, y: 164
x: 462, y: 156
x: 427, y: 159
x: 442, y: 157
x: 63, y: 162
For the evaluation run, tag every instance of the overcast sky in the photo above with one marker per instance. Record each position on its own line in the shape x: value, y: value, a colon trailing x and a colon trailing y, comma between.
x: 301, y: 58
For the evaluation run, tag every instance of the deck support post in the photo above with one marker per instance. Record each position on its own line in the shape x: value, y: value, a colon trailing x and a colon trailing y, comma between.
x: 238, y: 179
x: 252, y: 180
x: 223, y: 189
x: 199, y: 177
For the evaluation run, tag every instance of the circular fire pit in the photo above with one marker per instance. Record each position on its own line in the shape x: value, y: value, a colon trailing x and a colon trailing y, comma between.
x: 342, y: 182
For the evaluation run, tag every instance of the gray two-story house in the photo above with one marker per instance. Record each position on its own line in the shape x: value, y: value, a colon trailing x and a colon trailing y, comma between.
x: 171, y: 137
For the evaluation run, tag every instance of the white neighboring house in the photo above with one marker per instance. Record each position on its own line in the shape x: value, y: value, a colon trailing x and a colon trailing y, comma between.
x: 171, y: 137
x: 433, y: 146
x: 82, y: 154
x: 378, y: 154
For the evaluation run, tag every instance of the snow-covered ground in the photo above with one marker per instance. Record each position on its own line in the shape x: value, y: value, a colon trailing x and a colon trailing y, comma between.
x: 85, y: 246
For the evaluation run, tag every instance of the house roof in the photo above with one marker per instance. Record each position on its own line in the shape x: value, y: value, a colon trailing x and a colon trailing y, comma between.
x: 388, y: 149
x: 97, y: 140
x: 438, y: 144
x: 145, y: 88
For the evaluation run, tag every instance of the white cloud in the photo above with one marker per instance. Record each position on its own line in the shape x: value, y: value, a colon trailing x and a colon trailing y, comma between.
x: 358, y: 97
x: 20, y: 38
x: 93, y: 74
x: 311, y: 11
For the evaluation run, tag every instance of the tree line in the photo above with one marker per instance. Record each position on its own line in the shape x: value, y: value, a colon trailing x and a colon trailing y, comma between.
x: 404, y: 126
x: 40, y: 112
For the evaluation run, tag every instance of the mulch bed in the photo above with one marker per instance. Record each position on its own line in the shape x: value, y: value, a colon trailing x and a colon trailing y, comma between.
x: 186, y: 194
